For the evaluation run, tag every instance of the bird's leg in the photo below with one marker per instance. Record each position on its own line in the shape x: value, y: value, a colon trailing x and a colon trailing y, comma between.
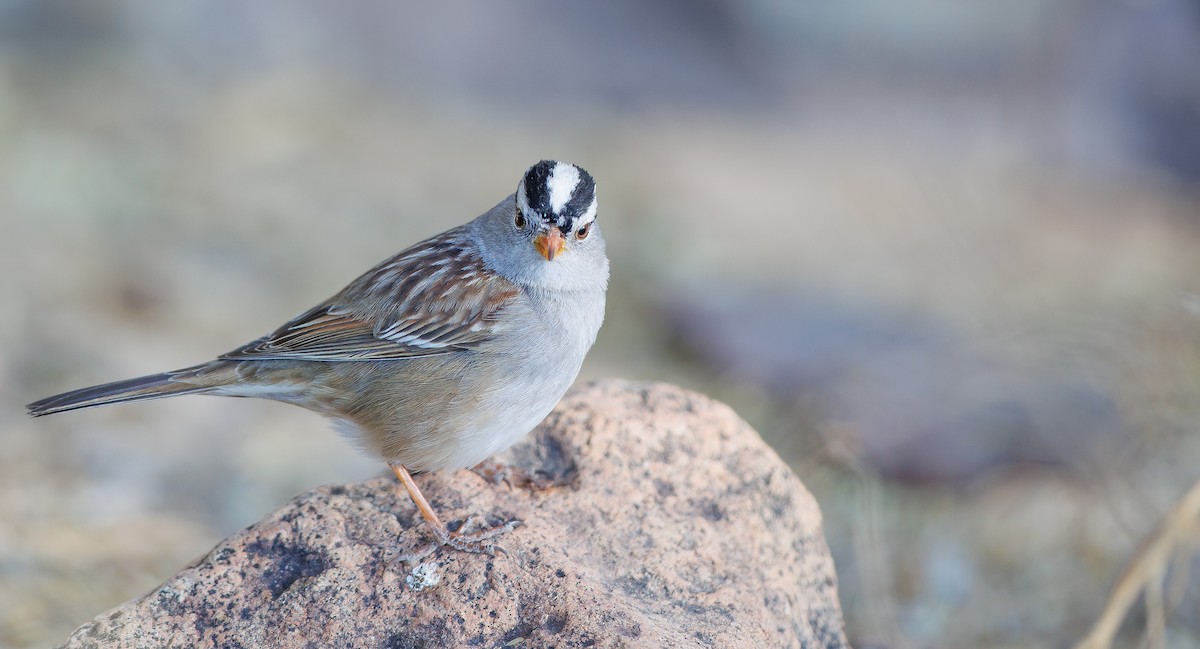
x: 431, y: 517
x: 475, y: 542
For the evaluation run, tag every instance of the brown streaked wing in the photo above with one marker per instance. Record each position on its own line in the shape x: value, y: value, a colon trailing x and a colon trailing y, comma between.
x: 433, y: 298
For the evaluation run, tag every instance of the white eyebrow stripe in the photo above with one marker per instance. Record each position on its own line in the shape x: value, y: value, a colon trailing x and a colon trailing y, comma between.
x: 562, y: 183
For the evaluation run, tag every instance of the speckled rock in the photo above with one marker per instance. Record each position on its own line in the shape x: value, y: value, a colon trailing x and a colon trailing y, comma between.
x: 668, y: 523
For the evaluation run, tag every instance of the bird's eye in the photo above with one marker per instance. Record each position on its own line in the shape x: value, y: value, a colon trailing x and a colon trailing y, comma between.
x: 583, y: 232
x: 520, y: 220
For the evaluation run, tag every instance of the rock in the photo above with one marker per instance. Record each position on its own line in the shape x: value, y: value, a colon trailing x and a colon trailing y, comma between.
x: 671, y: 524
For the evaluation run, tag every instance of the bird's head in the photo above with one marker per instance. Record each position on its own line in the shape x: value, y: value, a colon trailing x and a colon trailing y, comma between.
x: 556, y: 207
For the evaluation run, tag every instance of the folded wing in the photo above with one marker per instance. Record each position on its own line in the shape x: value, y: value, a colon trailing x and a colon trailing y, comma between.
x: 433, y: 298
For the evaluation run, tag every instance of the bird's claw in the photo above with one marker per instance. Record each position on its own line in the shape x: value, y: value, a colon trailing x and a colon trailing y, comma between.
x: 479, y: 542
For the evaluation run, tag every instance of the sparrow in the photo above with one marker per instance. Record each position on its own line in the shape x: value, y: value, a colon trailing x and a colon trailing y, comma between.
x: 438, y: 357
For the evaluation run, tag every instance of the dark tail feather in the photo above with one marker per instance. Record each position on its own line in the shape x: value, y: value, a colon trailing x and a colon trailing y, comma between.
x: 155, y: 386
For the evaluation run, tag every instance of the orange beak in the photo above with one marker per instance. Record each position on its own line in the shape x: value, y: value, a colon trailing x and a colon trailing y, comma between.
x: 551, y: 244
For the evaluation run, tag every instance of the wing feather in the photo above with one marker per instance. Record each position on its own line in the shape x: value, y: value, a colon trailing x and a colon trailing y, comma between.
x: 433, y: 298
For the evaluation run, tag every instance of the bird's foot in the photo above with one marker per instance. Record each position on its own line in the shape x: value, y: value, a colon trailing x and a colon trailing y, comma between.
x: 476, y: 542
x: 514, y: 476
x: 479, y: 541
x: 492, y: 471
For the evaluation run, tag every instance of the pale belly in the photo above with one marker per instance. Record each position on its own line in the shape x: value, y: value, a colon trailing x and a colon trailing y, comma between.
x: 456, y: 419
x: 510, y: 408
x: 455, y: 410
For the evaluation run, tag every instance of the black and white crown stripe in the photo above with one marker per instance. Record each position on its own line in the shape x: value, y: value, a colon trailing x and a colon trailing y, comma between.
x: 560, y: 193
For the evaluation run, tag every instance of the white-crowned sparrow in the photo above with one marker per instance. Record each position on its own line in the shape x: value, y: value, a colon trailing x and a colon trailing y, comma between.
x: 439, y: 357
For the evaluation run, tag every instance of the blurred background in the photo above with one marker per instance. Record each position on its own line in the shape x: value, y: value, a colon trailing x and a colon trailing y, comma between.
x: 944, y: 256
